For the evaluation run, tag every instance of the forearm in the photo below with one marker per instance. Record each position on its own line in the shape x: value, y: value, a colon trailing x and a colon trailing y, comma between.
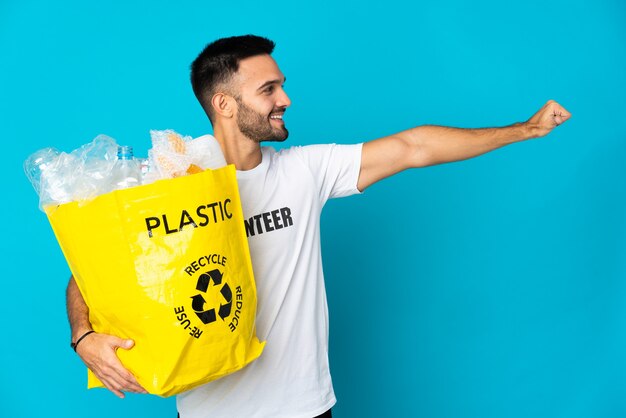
x: 77, y: 310
x: 430, y: 145
x: 440, y: 144
x: 98, y: 351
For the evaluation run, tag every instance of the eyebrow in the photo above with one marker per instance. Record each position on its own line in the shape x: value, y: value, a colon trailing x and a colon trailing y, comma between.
x: 276, y: 81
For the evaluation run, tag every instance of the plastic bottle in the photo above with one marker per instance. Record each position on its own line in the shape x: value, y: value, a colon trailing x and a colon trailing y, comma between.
x: 126, y: 172
x: 210, y: 150
x: 37, y: 163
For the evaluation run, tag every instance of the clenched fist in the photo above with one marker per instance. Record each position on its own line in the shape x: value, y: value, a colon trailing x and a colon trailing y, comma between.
x: 547, y: 118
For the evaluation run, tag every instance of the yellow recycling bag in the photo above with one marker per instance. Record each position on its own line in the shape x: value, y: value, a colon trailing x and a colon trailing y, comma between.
x: 167, y: 265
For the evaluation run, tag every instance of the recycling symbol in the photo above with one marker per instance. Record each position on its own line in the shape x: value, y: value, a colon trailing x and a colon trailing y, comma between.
x: 204, y: 281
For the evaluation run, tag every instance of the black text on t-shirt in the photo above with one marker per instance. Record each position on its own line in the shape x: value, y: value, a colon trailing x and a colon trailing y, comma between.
x: 268, y: 221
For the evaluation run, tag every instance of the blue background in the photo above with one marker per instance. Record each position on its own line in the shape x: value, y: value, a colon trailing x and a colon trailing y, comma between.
x: 492, y: 287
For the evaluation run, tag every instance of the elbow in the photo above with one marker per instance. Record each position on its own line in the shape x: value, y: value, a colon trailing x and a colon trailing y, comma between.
x: 417, y: 152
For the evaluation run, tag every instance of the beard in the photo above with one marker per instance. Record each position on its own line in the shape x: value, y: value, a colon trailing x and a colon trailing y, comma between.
x: 258, y: 127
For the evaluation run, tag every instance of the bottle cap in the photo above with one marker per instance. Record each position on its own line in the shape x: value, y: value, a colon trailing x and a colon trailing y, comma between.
x: 124, y: 152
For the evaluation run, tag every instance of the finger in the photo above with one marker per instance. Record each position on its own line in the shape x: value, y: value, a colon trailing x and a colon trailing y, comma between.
x: 122, y: 378
x: 120, y: 343
x: 99, y: 354
x: 110, y: 382
x: 560, y: 116
x: 558, y: 110
x: 130, y: 383
x: 120, y: 381
x: 127, y: 344
x: 564, y: 114
x: 114, y: 375
x: 117, y: 393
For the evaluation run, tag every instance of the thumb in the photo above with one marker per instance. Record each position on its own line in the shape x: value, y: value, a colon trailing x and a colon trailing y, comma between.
x: 125, y: 344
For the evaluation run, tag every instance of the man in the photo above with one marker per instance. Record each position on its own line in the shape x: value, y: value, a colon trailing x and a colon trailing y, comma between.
x: 240, y: 87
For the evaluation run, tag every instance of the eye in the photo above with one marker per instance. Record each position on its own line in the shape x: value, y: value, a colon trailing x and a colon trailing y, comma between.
x: 269, y: 90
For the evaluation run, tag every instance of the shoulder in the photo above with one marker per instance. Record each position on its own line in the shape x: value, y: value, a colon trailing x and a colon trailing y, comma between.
x: 315, y: 156
x: 296, y: 152
x: 302, y: 151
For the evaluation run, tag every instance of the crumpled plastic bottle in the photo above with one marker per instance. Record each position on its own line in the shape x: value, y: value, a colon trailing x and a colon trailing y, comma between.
x: 96, y: 168
x: 83, y: 174
x: 37, y: 163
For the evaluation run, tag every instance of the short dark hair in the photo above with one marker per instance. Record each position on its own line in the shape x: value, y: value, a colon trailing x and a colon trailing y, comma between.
x: 219, y: 61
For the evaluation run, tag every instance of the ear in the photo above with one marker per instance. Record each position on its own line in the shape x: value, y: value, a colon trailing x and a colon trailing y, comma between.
x: 223, y: 105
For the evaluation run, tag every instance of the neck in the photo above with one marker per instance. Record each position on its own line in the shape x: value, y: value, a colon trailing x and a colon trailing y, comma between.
x: 238, y: 149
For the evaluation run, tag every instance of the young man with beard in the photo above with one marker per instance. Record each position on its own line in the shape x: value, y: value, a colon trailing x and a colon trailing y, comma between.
x: 240, y: 87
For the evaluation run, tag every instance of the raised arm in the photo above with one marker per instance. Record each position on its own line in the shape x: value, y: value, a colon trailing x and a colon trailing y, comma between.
x: 430, y: 145
x: 98, y: 350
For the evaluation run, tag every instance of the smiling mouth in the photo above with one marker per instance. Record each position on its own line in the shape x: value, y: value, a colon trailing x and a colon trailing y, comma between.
x: 277, y: 117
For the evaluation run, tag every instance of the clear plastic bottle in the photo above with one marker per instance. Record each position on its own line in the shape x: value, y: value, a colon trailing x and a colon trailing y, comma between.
x: 127, y: 171
x: 37, y: 163
x: 210, y: 151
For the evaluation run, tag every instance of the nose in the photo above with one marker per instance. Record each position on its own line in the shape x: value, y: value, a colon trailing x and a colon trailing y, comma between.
x: 283, y: 99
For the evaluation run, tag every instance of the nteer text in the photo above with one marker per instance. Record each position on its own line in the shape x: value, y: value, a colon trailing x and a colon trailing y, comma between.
x: 268, y: 221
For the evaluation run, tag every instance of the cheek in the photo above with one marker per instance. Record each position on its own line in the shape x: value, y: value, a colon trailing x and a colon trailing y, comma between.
x: 263, y: 105
x: 258, y: 103
x: 266, y: 108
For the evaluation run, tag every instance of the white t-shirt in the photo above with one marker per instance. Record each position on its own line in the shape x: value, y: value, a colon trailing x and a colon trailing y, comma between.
x: 282, y: 200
